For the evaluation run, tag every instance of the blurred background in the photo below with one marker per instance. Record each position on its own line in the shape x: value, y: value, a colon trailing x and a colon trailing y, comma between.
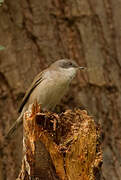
x: 36, y: 33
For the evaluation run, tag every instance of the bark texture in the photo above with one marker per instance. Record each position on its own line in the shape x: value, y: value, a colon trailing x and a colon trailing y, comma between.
x: 36, y: 33
x: 64, y: 146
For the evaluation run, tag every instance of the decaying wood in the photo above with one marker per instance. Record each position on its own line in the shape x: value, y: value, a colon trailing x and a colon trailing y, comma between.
x: 36, y: 33
x: 64, y: 146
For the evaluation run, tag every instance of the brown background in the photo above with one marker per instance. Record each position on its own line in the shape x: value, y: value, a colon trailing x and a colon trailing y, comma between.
x: 36, y: 33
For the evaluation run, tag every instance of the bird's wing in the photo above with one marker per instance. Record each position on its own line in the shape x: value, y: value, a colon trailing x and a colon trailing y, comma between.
x: 35, y: 82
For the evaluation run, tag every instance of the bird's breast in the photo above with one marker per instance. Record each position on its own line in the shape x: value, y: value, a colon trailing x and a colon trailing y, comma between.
x: 50, y: 91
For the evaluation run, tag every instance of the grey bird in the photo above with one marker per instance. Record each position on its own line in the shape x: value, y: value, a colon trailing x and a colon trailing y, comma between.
x: 48, y: 88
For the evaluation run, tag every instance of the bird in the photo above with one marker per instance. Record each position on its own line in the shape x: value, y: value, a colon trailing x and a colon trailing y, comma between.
x: 47, y: 88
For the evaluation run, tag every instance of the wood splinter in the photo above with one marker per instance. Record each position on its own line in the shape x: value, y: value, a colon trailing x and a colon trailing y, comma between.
x: 64, y: 146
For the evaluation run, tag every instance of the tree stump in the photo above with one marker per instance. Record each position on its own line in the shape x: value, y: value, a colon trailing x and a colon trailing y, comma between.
x: 64, y: 146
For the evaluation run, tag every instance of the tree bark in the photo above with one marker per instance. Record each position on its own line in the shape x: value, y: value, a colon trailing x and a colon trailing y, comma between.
x: 60, y: 147
x: 36, y: 33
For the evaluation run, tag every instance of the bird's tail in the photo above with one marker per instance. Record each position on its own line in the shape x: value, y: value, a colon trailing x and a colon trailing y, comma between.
x: 10, y: 133
x: 13, y: 128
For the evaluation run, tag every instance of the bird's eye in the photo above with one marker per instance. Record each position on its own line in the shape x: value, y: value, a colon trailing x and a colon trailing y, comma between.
x: 70, y: 63
x: 67, y: 64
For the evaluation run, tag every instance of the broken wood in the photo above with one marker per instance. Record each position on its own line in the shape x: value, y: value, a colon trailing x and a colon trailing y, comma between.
x: 64, y: 146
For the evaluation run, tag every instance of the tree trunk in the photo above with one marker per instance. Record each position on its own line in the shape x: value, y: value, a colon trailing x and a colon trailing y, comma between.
x: 60, y: 147
x: 36, y: 33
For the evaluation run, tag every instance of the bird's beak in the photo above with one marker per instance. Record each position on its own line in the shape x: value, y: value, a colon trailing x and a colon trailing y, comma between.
x: 82, y: 68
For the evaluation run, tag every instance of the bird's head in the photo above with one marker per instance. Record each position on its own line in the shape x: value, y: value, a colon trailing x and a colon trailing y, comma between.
x: 66, y: 66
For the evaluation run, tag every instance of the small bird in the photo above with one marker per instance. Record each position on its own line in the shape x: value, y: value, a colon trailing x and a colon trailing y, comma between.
x: 48, y: 88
